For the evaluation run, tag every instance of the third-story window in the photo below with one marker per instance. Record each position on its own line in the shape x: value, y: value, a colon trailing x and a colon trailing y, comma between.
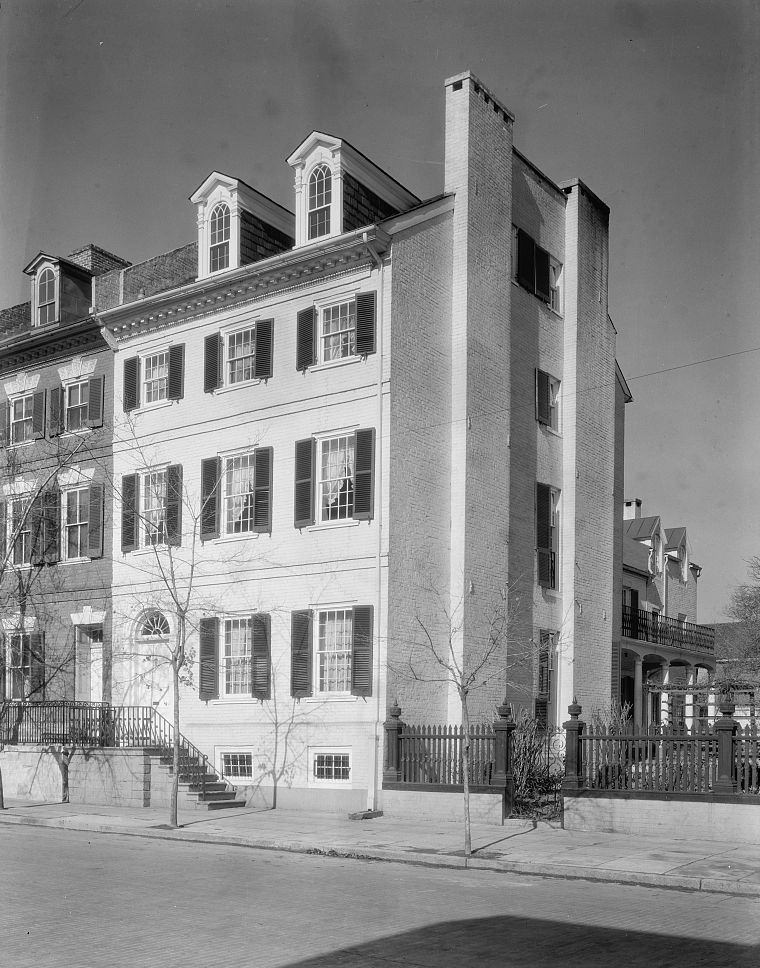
x: 236, y: 659
x: 77, y: 513
x: 535, y: 270
x: 336, y: 481
x: 22, y: 418
x: 155, y: 377
x: 320, y: 198
x: 547, y: 400
x: 241, y: 352
x: 337, y: 338
x: 154, y: 507
x: 46, y: 298
x: 219, y: 250
x: 77, y: 398
x: 334, y: 647
x: 239, y: 494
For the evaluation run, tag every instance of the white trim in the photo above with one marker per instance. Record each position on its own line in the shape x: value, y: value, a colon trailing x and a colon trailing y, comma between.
x: 78, y: 369
x: 13, y: 623
x: 22, y: 383
x: 315, y: 751
x: 88, y: 616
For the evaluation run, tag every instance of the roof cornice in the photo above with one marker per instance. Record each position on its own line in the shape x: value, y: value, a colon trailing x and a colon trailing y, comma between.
x: 49, y: 343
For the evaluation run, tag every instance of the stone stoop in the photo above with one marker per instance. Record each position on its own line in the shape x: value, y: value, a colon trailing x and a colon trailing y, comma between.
x: 217, y: 795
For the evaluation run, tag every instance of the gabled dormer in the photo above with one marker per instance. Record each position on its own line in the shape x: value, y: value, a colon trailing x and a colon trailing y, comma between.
x: 338, y: 189
x: 237, y: 225
x: 677, y: 548
x: 61, y: 290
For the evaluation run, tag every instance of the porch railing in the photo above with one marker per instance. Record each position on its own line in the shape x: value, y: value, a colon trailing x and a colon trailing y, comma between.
x: 665, y: 630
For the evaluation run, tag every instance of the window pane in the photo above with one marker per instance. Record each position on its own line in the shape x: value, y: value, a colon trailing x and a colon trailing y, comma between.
x: 236, y: 662
x: 156, y: 370
x: 334, y: 650
x: 339, y: 331
x: 77, y: 397
x: 239, y: 494
x: 240, y: 355
x: 337, y: 478
x: 154, y: 507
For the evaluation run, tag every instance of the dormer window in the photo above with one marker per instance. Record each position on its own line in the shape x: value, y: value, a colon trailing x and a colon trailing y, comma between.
x: 219, y: 234
x: 46, y: 311
x: 320, y: 199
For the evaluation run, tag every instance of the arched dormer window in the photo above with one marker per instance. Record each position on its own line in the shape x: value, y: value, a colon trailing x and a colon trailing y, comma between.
x: 320, y: 198
x: 46, y: 312
x: 219, y: 238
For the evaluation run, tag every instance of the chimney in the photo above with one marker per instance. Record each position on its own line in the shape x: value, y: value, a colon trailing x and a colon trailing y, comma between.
x: 632, y: 509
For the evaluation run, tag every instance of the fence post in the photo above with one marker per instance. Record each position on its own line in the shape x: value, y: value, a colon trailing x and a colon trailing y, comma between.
x: 725, y: 728
x: 573, y: 751
x: 501, y: 776
x: 392, y: 761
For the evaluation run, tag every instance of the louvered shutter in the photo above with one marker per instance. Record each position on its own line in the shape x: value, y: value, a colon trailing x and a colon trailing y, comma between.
x: 263, y: 353
x: 542, y: 274
x: 365, y: 322
x: 208, y: 659
x: 262, y: 495
x: 541, y: 712
x: 544, y: 533
x: 3, y: 535
x: 38, y: 415
x: 36, y: 520
x: 543, y: 410
x: 364, y: 465
x: 57, y: 411
x: 95, y: 522
x: 306, y: 338
x: 211, y: 471
x: 300, y: 654
x: 95, y: 401
x: 131, y: 394
x: 175, y: 384
x: 2, y: 669
x: 261, y: 678
x: 174, y: 496
x: 5, y: 423
x: 129, y: 512
x: 212, y: 363
x: 51, y: 526
x: 526, y: 261
x: 361, y: 652
x: 37, y: 676
x: 615, y: 673
x: 304, y: 482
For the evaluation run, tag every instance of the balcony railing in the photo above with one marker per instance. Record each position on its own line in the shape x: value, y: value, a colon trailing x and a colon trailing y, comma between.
x: 663, y: 630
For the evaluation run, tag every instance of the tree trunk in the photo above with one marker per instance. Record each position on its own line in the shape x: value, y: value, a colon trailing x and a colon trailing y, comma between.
x: 173, y: 822
x: 466, y: 777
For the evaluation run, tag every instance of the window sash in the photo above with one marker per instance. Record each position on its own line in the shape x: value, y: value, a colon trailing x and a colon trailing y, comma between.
x: 22, y: 419
x: 237, y: 765
x: 156, y: 377
x: 241, y: 353
x: 336, y: 483
x: 239, y: 494
x: 77, y: 403
x: 76, y: 527
x: 334, y: 649
x: 219, y: 238
x: 236, y: 657
x: 21, y: 527
x: 154, y: 507
x: 20, y: 665
x: 338, y: 331
x: 332, y: 766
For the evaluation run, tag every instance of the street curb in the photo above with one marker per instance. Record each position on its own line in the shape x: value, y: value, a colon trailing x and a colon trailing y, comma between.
x: 713, y: 885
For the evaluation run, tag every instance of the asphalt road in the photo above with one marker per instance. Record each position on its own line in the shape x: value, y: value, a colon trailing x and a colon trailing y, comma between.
x: 74, y: 899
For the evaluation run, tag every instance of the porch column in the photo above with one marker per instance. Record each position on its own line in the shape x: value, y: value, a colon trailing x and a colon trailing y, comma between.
x: 665, y: 695
x: 688, y: 712
x: 711, y: 705
x: 638, y: 693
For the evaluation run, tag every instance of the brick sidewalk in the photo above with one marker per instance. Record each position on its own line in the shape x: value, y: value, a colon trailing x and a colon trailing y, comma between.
x: 517, y: 846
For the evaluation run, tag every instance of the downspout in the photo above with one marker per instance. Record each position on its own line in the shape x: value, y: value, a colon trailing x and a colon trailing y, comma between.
x: 372, y: 791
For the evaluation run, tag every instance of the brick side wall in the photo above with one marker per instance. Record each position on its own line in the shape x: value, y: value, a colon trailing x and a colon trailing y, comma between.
x: 97, y: 260
x: 15, y: 318
x: 362, y: 206
x: 259, y: 240
x: 166, y: 271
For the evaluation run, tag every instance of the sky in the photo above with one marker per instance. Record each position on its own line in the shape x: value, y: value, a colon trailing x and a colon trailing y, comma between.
x: 112, y: 113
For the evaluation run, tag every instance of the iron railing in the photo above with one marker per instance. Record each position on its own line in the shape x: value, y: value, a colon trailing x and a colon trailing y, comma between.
x: 665, y: 630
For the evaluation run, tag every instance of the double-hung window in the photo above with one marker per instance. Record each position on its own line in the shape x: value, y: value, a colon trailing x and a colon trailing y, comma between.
x: 46, y: 297
x: 22, y: 418
x: 21, y: 530
x: 156, y: 377
x: 24, y: 662
x: 240, y: 494
x: 236, y: 494
x: 77, y: 405
x: 320, y: 199
x: 536, y: 270
x: 154, y: 507
x: 333, y: 653
x: 547, y: 535
x: 151, y: 508
x: 337, y: 337
x: 336, y: 478
x: 219, y: 235
x: 241, y: 354
x: 76, y: 510
x: 236, y: 657
x: 547, y: 400
x: 336, y: 331
x: 235, y: 357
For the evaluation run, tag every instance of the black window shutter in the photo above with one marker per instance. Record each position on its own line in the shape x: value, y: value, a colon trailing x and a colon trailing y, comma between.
x: 300, y: 654
x: 95, y: 523
x: 542, y: 274
x: 5, y: 423
x: 365, y: 322
x: 526, y: 261
x: 263, y: 353
x: 261, y: 677
x: 208, y: 659
x: 57, y: 411
x: 262, y: 495
x: 174, y: 496
x: 2, y: 669
x: 175, y: 384
x: 129, y: 512
x: 306, y: 338
x: 211, y: 472
x: 37, y: 676
x: 543, y: 410
x: 36, y: 521
x: 51, y: 526
x: 364, y: 465
x: 212, y: 362
x: 95, y: 402
x: 544, y: 533
x: 541, y: 713
x: 131, y: 392
x: 304, y: 482
x: 361, y: 653
x: 3, y: 533
x: 38, y: 415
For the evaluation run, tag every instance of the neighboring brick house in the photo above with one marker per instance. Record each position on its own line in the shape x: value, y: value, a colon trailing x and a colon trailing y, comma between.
x: 352, y: 422
x: 56, y: 401
x: 662, y: 644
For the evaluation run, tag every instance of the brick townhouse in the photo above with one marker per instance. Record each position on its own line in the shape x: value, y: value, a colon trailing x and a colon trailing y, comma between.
x: 361, y: 424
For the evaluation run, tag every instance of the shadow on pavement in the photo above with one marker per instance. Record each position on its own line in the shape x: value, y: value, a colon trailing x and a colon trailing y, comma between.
x: 510, y: 942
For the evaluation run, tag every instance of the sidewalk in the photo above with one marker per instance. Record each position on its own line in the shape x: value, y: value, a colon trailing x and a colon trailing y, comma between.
x: 518, y: 846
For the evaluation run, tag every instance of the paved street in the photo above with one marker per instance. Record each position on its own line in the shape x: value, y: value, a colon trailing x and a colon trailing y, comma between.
x: 76, y: 899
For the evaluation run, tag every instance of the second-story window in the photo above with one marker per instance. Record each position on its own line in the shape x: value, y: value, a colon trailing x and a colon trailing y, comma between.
x: 320, y: 199
x: 154, y: 507
x: 547, y: 535
x: 547, y: 400
x: 219, y: 249
x: 21, y: 529
x: 22, y: 419
x: 77, y: 405
x: 336, y: 479
x: 76, y: 505
x: 46, y: 297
